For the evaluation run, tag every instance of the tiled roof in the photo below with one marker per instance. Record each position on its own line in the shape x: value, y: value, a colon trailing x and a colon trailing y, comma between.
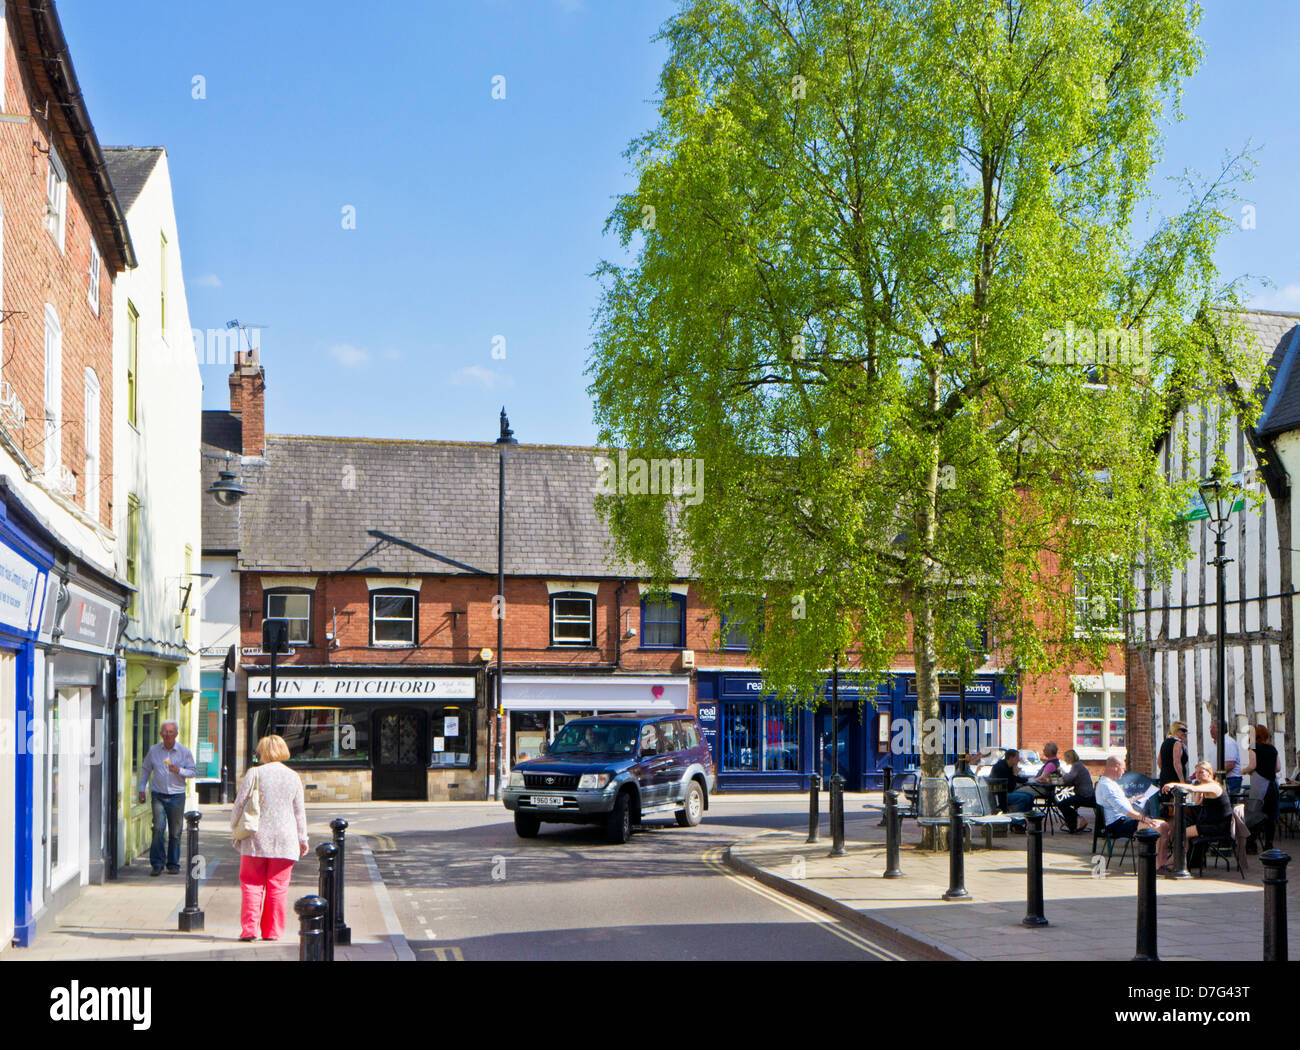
x: 1278, y: 336
x: 130, y: 167
x: 327, y: 504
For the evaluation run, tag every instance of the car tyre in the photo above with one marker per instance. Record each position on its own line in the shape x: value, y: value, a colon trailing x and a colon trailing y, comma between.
x: 618, y: 825
x: 692, y: 811
x: 526, y: 825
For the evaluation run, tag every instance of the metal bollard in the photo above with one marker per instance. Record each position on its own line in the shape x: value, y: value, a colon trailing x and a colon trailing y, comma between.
x: 1146, y: 917
x: 191, y: 916
x: 956, y: 853
x: 342, y: 932
x: 311, y: 928
x: 1275, y: 862
x: 888, y: 783
x: 837, y: 816
x: 1034, y: 891
x: 1180, y: 838
x: 814, y: 807
x: 326, y: 852
x: 892, y: 821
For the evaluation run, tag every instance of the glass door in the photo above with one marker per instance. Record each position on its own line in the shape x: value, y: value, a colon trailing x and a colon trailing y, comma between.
x: 833, y: 745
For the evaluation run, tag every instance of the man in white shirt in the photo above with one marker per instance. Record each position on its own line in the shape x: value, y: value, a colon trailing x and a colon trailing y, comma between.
x: 1231, y: 756
x: 165, y: 769
x: 1118, y: 812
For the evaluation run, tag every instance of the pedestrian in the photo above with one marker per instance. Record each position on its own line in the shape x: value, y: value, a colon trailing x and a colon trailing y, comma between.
x: 163, y: 773
x: 267, y: 855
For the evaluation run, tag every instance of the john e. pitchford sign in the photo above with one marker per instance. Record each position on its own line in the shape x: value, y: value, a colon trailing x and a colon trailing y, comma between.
x: 360, y: 687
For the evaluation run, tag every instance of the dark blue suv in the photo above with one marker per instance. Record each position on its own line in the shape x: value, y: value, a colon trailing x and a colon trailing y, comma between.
x: 615, y: 770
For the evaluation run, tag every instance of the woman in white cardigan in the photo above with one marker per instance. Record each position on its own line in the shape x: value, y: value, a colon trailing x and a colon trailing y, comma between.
x: 266, y: 864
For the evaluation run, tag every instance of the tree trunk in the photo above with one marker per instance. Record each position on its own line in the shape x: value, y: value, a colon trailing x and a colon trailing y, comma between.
x: 923, y: 640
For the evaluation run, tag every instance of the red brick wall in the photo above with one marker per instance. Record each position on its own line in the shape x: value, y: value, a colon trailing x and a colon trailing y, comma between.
x: 36, y: 272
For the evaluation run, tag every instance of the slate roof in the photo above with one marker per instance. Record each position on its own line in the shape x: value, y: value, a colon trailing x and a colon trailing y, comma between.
x: 130, y: 167
x: 1278, y: 335
x: 330, y: 504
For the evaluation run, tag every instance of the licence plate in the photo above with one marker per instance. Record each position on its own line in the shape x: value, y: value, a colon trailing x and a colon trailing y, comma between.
x: 548, y: 800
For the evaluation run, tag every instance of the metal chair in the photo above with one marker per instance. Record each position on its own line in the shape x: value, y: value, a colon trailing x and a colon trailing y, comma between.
x: 908, y: 788
x: 977, y: 808
x: 1221, y: 847
x: 1099, y: 830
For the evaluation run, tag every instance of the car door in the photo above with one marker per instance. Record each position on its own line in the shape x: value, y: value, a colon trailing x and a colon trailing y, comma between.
x: 673, y: 766
x: 649, y: 759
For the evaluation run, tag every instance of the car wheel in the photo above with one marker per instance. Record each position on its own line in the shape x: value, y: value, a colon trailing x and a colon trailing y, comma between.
x: 526, y: 825
x: 618, y: 826
x: 693, y: 811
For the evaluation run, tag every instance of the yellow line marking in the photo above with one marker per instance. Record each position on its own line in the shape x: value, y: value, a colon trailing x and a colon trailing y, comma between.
x: 448, y: 953
x: 712, y: 859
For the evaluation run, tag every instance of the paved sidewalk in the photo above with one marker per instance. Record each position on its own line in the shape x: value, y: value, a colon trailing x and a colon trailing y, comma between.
x: 135, y: 916
x: 1217, y: 917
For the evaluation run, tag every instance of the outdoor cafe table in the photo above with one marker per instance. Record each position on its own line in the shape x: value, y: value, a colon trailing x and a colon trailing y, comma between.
x: 1046, y: 794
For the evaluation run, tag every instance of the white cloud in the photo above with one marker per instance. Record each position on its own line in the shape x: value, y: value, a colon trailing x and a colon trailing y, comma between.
x: 208, y: 280
x: 476, y: 375
x: 349, y: 356
x: 1284, y: 298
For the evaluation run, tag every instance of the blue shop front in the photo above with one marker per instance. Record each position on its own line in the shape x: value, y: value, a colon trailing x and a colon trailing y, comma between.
x: 762, y: 744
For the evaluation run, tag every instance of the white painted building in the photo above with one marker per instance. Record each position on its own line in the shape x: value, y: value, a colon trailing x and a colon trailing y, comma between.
x: 157, y: 389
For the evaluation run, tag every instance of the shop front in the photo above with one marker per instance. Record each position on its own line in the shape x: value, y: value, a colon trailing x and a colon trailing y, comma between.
x: 537, y: 705
x: 763, y: 744
x: 381, y: 734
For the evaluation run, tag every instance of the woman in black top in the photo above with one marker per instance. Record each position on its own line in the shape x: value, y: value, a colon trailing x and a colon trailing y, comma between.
x: 1263, y: 782
x: 1173, y: 755
x: 1215, y: 817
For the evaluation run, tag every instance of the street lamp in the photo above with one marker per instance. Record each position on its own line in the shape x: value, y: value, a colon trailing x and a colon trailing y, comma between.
x: 226, y: 490
x: 505, y: 443
x: 1218, y: 497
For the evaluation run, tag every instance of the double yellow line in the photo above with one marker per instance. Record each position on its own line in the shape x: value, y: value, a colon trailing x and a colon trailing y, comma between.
x: 713, y: 860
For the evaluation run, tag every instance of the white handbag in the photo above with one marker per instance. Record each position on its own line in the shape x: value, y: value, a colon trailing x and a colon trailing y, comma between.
x: 246, y: 826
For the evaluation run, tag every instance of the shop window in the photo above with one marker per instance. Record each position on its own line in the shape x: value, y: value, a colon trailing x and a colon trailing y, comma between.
x: 453, y: 731
x: 573, y: 619
x: 292, y: 604
x: 392, y: 617
x: 325, y: 734
x: 663, y: 623
x: 1100, y: 719
x: 760, y: 738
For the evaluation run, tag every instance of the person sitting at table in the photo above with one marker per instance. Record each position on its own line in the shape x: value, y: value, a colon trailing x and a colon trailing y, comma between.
x: 1023, y: 801
x: 1004, y: 770
x: 1122, y: 820
x: 1214, y: 816
x: 1077, y: 777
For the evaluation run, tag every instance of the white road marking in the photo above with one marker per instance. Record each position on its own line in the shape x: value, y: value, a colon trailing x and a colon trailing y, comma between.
x: 403, y: 950
x: 429, y: 935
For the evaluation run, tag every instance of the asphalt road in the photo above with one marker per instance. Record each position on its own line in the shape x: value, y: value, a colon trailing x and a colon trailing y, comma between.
x: 464, y: 886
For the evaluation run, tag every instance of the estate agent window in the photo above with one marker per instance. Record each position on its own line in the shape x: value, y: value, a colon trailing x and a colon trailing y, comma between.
x: 573, y: 620
x: 392, y: 617
x: 1100, y: 719
x: 292, y: 604
x: 663, y: 623
x: 452, y: 726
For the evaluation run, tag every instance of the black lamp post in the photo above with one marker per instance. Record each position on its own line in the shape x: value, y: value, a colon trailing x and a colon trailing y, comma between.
x: 1218, y: 497
x: 505, y: 443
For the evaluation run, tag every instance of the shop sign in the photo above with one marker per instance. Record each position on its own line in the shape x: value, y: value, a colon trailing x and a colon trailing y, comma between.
x: 89, y: 622
x: 708, y: 718
x: 1008, y: 730
x: 360, y: 687
x: 22, y: 589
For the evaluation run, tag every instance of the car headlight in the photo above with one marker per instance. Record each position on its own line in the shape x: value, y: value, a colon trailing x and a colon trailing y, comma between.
x: 593, y: 781
x: 516, y: 779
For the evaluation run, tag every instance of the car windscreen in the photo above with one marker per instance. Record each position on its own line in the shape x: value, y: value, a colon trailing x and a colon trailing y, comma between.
x: 595, y: 738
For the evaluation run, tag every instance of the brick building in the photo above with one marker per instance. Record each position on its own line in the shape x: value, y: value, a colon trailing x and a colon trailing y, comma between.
x: 63, y: 238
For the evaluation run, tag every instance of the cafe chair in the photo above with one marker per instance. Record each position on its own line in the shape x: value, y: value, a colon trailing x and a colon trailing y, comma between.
x: 1221, y: 847
x: 1109, y: 839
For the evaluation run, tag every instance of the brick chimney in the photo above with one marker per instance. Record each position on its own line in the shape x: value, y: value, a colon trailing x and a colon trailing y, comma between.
x: 247, y: 400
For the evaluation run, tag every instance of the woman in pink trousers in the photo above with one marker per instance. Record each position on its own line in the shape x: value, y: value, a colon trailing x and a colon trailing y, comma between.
x: 267, y: 858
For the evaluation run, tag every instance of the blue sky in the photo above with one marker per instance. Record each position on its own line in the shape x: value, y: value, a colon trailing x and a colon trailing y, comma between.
x: 477, y: 217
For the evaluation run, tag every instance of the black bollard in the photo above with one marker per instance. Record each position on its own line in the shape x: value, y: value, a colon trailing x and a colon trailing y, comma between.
x: 342, y: 932
x: 327, y: 852
x: 1275, y: 862
x: 892, y: 821
x: 888, y: 783
x: 311, y: 928
x: 191, y: 916
x: 1180, y: 837
x: 1146, y: 862
x: 837, y: 816
x: 1034, y: 866
x: 814, y: 807
x: 956, y: 853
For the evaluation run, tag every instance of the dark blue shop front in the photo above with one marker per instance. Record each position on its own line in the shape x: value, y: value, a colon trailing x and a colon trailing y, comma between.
x: 762, y: 744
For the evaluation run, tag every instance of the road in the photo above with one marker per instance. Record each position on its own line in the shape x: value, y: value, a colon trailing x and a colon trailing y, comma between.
x: 465, y: 887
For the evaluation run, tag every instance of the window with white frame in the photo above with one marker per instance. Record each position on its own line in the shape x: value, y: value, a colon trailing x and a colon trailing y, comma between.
x: 392, y: 617
x: 294, y: 605
x: 56, y: 196
x: 573, y: 619
x: 53, y: 391
x: 1098, y: 597
x: 92, y: 443
x: 1100, y: 715
x: 93, y: 292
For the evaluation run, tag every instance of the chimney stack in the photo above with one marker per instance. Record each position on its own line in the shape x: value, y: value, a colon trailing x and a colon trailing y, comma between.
x: 247, y: 401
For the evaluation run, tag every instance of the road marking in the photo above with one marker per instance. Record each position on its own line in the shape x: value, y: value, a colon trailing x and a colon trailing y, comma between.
x: 429, y: 935
x: 712, y: 858
x: 386, y: 843
x: 395, y: 934
x: 447, y: 953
